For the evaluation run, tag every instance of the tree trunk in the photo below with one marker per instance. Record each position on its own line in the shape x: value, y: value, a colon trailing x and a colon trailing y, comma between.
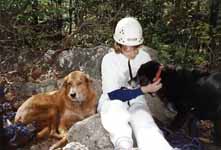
x: 59, y: 16
x: 76, y: 12
x: 70, y: 16
x: 34, y: 11
x: 59, y: 19
x: 214, y: 12
x: 215, y: 32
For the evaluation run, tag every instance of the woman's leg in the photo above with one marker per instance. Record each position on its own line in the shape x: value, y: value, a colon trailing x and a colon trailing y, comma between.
x: 147, y: 134
x: 115, y: 119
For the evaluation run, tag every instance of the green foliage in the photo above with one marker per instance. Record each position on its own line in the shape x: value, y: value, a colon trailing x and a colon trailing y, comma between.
x: 179, y: 30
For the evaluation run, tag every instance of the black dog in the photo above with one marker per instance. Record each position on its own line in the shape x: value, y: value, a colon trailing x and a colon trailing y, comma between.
x: 190, y: 91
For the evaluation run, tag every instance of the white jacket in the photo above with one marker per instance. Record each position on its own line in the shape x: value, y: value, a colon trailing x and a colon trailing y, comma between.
x: 115, y: 71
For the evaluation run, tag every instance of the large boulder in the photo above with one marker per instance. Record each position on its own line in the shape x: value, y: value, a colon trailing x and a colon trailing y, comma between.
x: 87, y: 59
x: 84, y: 59
x: 90, y: 133
x: 158, y: 109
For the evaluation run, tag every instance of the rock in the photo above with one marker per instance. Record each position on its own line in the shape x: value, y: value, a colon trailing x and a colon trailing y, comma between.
x: 88, y: 59
x: 84, y: 59
x: 90, y: 133
x: 158, y: 109
x: 39, y: 145
x: 31, y: 88
x: 75, y: 146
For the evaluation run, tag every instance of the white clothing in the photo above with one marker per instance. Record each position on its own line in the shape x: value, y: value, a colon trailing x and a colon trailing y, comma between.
x: 115, y: 71
x: 119, y: 118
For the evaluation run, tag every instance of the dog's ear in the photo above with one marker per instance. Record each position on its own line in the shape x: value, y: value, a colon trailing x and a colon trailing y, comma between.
x: 65, y: 83
x: 88, y: 79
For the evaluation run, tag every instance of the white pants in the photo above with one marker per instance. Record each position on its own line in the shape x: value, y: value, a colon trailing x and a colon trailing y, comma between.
x: 120, y: 118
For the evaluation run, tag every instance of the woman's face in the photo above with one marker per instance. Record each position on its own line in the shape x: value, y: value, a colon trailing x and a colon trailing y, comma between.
x: 130, y: 51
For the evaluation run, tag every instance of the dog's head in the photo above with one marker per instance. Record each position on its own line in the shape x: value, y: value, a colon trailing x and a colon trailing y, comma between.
x: 77, y: 85
x: 148, y: 72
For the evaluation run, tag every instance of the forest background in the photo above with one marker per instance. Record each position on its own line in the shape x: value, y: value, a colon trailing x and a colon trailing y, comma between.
x: 184, y: 32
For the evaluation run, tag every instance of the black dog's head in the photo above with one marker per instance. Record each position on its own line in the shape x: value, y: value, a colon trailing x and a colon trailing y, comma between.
x: 147, y: 73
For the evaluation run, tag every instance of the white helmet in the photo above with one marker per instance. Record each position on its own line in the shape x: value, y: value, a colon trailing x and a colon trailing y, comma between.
x: 128, y: 32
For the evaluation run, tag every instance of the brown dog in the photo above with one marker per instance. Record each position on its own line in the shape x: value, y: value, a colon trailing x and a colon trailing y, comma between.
x: 56, y: 111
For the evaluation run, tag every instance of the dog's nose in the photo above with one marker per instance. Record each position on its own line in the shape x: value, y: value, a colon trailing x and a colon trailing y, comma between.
x: 73, y: 95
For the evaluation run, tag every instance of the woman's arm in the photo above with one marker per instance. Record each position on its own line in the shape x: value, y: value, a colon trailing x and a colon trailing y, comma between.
x: 125, y: 94
x: 111, y: 79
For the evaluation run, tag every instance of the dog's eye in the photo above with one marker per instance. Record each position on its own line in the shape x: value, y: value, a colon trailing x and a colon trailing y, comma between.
x: 68, y: 83
x: 143, y: 81
x: 79, y: 83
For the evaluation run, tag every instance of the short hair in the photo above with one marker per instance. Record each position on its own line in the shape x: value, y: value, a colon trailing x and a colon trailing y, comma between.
x: 118, y: 47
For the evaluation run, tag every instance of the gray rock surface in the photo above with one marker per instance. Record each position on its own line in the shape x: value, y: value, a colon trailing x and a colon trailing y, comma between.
x: 158, y: 109
x: 90, y: 133
x: 84, y: 59
x: 75, y: 146
x: 29, y: 88
x: 87, y: 59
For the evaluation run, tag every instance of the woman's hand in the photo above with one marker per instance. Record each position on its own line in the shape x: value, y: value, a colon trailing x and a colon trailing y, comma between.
x: 152, y: 88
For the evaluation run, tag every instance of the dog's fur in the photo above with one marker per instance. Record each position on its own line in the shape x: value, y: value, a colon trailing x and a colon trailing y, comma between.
x: 190, y: 91
x: 56, y: 111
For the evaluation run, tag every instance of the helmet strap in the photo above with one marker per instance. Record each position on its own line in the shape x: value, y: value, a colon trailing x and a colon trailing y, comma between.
x: 130, y: 70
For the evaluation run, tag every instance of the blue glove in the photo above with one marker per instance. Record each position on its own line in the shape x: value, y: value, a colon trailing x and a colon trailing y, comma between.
x: 125, y: 94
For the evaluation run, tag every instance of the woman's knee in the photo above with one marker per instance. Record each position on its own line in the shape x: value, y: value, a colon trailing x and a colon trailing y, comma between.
x: 115, y: 118
x: 123, y: 143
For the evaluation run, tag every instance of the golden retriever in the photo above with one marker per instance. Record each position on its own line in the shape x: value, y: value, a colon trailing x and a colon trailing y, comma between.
x: 55, y: 112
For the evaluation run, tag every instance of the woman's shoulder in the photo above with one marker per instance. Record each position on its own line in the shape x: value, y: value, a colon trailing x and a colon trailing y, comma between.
x: 149, y: 52
x: 143, y: 52
x: 142, y: 57
x: 110, y: 56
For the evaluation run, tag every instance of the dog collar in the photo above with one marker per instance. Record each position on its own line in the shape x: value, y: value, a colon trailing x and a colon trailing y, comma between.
x: 157, y: 76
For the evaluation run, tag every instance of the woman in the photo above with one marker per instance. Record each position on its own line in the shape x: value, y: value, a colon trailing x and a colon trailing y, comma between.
x: 121, y: 107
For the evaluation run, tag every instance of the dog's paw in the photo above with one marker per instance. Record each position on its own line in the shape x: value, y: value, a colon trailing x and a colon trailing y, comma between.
x: 54, y: 148
x: 56, y: 135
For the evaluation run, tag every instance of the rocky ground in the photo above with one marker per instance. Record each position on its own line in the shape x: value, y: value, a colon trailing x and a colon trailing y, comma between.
x: 47, y: 75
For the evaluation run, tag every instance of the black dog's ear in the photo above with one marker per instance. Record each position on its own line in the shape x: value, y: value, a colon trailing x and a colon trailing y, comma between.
x: 143, y: 80
x: 147, y: 72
